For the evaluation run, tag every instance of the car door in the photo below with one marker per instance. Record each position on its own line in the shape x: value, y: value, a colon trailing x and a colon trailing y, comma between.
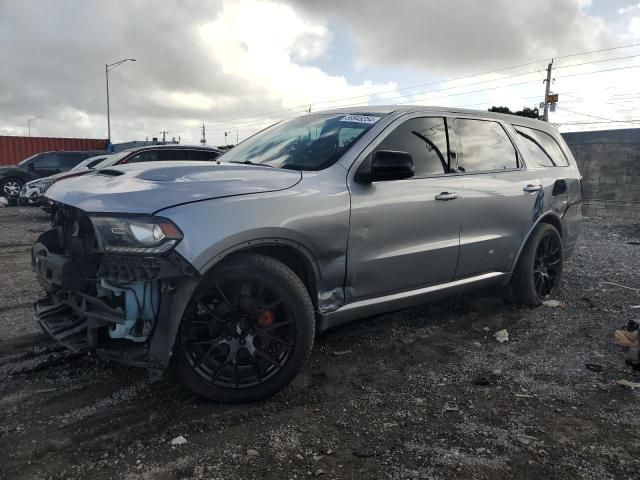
x: 404, y: 234
x: 500, y: 197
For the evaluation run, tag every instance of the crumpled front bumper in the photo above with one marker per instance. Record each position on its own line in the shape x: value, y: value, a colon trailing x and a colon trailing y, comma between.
x: 79, y: 320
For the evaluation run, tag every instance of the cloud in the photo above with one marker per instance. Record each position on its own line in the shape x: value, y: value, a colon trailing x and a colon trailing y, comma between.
x: 196, y: 61
x: 464, y: 35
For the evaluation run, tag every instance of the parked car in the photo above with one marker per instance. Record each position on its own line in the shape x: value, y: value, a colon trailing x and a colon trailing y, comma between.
x: 132, y: 155
x: 32, y: 191
x: 230, y: 270
x: 13, y: 177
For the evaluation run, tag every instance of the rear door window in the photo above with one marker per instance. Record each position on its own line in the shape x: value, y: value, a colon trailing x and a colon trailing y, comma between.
x: 206, y: 155
x: 426, y: 140
x: 144, y: 156
x: 541, y: 148
x: 71, y: 159
x: 483, y: 146
x: 169, y: 155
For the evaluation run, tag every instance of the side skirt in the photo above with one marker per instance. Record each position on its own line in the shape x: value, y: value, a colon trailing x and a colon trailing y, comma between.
x: 401, y: 300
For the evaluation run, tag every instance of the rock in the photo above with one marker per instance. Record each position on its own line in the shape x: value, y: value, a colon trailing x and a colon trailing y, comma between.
x: 501, y: 336
x: 253, y: 453
x: 180, y: 440
x: 3, y: 202
x: 318, y: 457
x: 553, y: 304
x: 319, y: 472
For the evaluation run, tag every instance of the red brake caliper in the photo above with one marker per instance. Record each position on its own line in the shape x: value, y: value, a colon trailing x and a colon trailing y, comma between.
x: 265, y: 319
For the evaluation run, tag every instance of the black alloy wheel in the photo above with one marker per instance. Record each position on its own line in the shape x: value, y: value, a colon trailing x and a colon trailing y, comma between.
x: 246, y: 332
x: 547, y: 265
x: 538, y: 273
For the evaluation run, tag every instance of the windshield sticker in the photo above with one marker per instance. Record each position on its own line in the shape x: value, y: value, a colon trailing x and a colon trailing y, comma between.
x: 360, y: 119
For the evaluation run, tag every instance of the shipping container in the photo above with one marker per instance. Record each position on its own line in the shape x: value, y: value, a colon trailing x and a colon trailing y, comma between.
x: 15, y: 149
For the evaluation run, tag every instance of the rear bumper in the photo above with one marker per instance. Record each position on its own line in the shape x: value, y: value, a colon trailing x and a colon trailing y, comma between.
x: 75, y: 316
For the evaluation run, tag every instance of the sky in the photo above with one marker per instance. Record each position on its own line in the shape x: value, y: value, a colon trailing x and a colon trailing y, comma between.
x: 237, y: 66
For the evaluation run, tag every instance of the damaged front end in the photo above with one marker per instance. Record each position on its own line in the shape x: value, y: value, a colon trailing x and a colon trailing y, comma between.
x: 114, y: 285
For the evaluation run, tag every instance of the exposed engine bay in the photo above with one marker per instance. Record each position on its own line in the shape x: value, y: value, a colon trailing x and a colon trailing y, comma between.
x: 104, y: 300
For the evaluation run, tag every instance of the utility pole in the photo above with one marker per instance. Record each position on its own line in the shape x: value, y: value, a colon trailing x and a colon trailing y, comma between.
x: 547, y: 90
x: 164, y: 135
x: 204, y: 138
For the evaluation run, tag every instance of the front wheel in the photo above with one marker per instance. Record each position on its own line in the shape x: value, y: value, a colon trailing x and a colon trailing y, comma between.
x: 246, y: 332
x: 539, y: 270
x: 10, y: 189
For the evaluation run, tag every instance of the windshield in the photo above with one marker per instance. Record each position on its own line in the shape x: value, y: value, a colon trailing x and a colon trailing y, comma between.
x: 112, y: 159
x: 312, y: 142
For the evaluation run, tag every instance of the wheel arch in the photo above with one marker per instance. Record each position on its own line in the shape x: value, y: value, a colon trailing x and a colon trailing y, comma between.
x: 550, y: 218
x: 289, y: 252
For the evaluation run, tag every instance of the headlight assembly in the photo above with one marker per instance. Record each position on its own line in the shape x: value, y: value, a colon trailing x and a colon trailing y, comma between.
x: 142, y: 235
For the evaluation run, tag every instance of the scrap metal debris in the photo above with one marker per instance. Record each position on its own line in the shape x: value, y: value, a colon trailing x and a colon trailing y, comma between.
x: 628, y: 384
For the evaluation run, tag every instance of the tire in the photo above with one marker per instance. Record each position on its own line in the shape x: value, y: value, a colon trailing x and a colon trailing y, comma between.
x: 538, y: 273
x: 10, y: 188
x: 246, y: 332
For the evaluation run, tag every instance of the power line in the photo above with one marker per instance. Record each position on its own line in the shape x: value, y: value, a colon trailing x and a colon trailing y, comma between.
x: 306, y: 105
x: 585, y: 114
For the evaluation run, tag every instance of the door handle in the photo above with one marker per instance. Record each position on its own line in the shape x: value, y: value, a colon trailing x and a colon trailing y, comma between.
x: 532, y: 188
x: 445, y: 196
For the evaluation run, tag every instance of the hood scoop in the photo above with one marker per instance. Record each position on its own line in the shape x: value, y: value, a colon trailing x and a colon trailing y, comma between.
x: 111, y: 173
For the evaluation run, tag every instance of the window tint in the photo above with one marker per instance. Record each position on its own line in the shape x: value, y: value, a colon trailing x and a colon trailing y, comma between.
x: 541, y: 147
x: 485, y: 146
x: 145, y: 156
x: 206, y: 155
x: 70, y: 160
x: 48, y: 160
x: 426, y: 140
x: 170, y: 155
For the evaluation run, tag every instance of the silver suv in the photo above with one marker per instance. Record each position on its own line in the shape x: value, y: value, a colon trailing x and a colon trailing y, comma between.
x: 232, y: 267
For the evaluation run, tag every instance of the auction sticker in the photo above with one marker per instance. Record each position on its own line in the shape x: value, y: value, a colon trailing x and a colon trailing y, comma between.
x: 359, y: 119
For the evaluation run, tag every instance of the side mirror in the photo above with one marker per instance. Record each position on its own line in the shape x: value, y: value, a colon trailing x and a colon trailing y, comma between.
x: 385, y: 165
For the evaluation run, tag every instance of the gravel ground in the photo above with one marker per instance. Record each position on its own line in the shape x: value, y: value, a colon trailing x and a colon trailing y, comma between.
x: 423, y: 393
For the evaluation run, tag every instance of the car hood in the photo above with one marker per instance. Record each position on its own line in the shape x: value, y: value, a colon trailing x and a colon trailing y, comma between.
x: 150, y: 187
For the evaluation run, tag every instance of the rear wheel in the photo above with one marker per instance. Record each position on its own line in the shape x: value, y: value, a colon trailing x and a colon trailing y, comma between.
x: 539, y: 271
x: 247, y: 331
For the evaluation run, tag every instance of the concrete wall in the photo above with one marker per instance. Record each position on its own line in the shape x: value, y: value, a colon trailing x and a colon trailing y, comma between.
x: 609, y: 161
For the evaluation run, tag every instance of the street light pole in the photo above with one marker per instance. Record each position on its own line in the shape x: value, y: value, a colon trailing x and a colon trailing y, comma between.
x: 107, y: 68
x: 29, y: 120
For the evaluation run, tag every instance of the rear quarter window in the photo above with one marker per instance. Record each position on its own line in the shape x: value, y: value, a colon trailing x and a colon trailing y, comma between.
x: 541, y: 148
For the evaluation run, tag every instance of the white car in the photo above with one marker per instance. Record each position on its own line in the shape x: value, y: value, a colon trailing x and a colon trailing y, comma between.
x: 32, y: 191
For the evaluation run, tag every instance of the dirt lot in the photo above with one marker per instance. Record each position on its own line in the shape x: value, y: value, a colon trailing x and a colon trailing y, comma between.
x: 423, y: 393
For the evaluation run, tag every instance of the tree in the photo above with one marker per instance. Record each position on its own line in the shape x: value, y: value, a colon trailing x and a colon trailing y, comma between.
x: 525, y: 112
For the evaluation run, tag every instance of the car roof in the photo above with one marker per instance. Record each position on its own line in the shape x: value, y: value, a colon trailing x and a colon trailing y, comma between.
x: 445, y: 111
x: 172, y: 147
